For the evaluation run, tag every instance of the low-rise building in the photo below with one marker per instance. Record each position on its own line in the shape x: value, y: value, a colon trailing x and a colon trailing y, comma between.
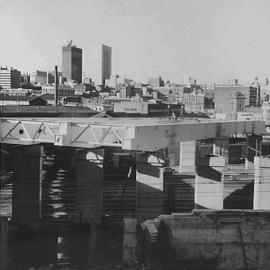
x: 44, y: 77
x: 224, y: 91
x: 156, y: 82
x: 81, y: 88
x: 194, y: 101
x: 265, y: 91
x: 117, y: 81
x: 63, y: 90
x: 22, y: 100
x: 131, y: 107
x: 96, y: 103
x: 72, y: 101
x: 16, y: 92
x: 138, y: 106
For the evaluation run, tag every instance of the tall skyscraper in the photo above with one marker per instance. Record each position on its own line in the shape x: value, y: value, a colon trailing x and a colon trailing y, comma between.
x: 72, y: 63
x: 101, y: 64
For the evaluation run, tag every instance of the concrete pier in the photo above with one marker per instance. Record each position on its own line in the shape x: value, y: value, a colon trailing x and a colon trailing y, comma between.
x: 27, y: 187
x: 262, y: 183
x: 150, y: 178
x: 130, y: 240
x: 209, y: 183
x: 89, y: 173
x: 187, y: 157
x: 254, y: 143
x: 221, y: 148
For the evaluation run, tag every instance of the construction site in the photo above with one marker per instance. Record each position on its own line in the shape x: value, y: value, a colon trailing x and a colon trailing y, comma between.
x: 103, y: 193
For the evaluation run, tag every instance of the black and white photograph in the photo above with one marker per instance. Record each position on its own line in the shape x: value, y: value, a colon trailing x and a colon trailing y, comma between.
x: 134, y: 135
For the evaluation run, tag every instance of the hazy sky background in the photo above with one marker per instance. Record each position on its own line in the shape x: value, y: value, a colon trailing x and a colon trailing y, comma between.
x: 210, y: 40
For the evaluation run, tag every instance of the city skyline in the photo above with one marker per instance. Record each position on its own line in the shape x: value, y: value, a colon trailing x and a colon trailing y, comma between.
x: 206, y: 39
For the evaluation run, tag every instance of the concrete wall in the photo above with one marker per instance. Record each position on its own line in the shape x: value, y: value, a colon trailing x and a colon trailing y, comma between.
x: 209, y: 240
x: 262, y: 183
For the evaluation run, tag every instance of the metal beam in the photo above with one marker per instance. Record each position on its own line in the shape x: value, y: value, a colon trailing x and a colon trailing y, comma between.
x: 131, y: 134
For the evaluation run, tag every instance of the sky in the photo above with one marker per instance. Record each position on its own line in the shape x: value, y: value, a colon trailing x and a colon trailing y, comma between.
x: 210, y: 40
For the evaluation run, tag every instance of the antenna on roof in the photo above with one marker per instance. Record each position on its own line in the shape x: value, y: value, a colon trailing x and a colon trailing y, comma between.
x: 69, y: 43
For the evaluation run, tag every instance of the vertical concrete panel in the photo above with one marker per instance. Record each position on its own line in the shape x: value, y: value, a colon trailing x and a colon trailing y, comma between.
x: 253, y: 149
x: 221, y: 148
x: 209, y: 183
x: 130, y: 240
x: 149, y: 176
x: 262, y: 183
x: 89, y: 179
x: 187, y: 157
x: 27, y: 187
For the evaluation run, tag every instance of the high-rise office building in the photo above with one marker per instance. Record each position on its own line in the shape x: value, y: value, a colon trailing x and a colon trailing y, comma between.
x: 10, y: 78
x: 72, y: 63
x: 101, y: 64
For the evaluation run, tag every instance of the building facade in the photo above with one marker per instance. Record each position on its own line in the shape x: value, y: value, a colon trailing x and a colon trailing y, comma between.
x: 101, y: 64
x: 156, y: 82
x: 72, y: 63
x: 10, y: 78
x: 63, y: 90
x: 117, y: 81
x: 223, y: 92
x: 194, y: 102
x: 38, y: 77
x: 44, y: 77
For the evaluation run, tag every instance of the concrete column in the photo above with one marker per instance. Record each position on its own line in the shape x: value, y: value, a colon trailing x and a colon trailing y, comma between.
x: 27, y: 187
x: 262, y: 183
x: 253, y: 149
x: 150, y: 177
x: 187, y: 157
x: 130, y: 240
x: 174, y: 155
x: 209, y: 183
x: 89, y: 179
x: 221, y: 148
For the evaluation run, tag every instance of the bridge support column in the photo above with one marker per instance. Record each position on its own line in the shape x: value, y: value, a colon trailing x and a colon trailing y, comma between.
x: 209, y: 183
x: 89, y: 179
x: 261, y: 199
x: 254, y: 143
x: 150, y: 178
x: 221, y: 148
x: 27, y: 187
x: 187, y: 157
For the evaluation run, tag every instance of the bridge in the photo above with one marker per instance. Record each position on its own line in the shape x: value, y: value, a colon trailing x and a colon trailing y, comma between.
x: 146, y: 134
x: 94, y: 147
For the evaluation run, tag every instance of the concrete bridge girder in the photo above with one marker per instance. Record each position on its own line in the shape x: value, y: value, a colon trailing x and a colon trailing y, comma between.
x: 139, y: 135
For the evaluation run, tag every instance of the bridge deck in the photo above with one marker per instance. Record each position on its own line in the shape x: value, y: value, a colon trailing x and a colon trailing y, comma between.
x: 145, y: 134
